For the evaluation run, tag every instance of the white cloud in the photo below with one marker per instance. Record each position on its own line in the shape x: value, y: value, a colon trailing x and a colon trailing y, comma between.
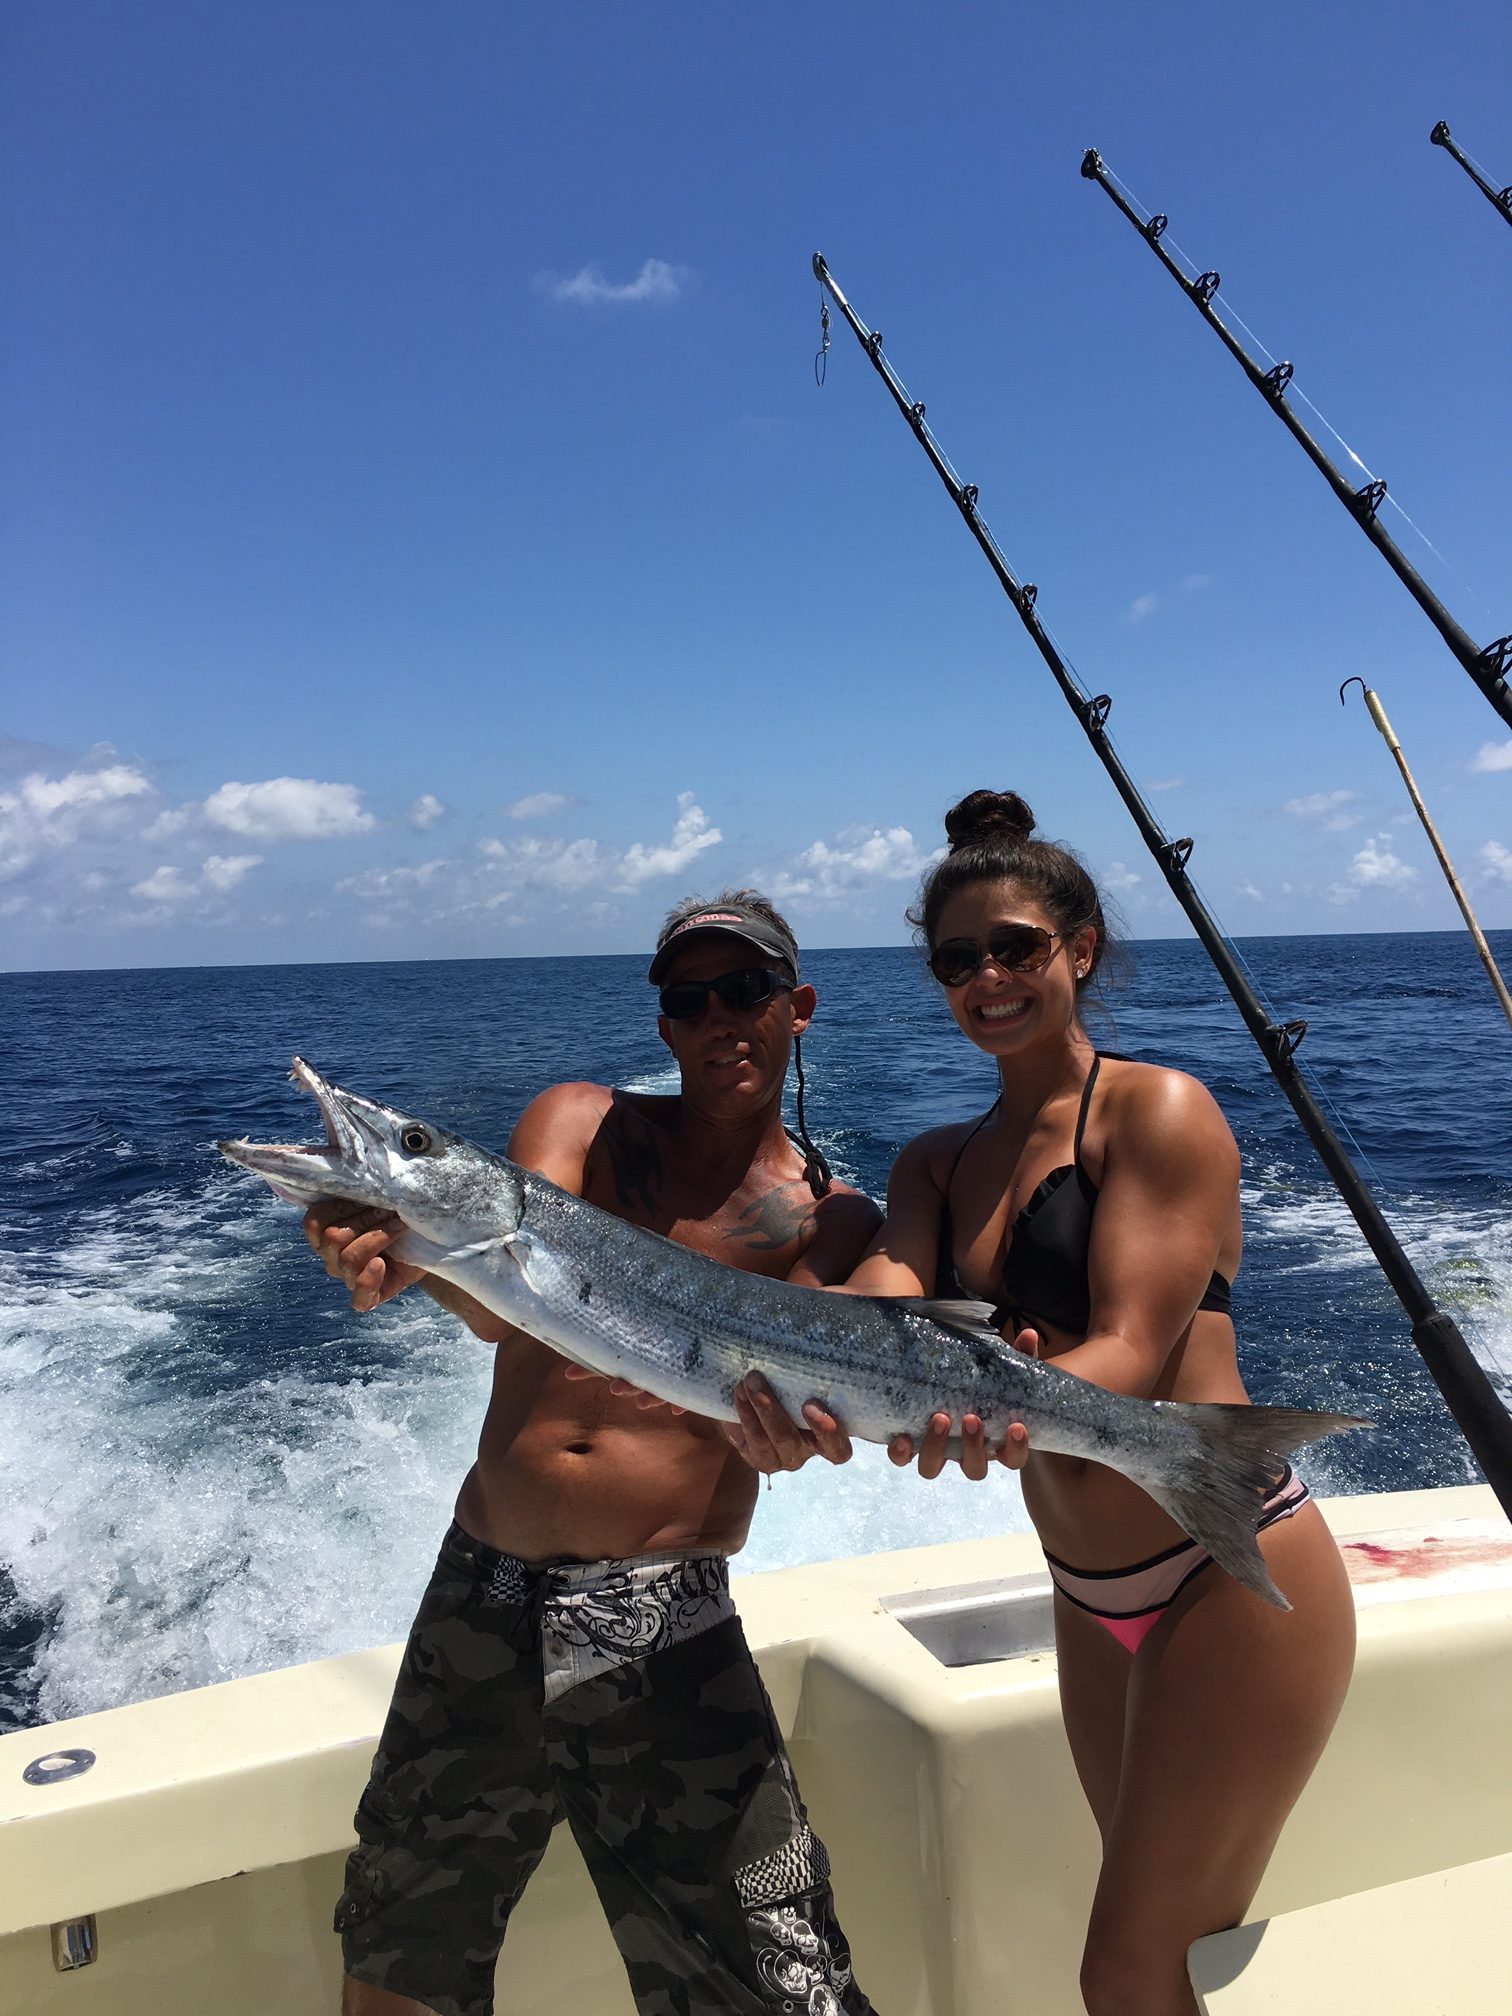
x: 391, y: 881
x: 79, y: 791
x: 1374, y: 867
x: 289, y: 808
x: 563, y: 875
x: 555, y: 864
x: 1119, y: 878
x: 581, y: 864
x: 48, y: 812
x: 164, y: 885
x: 861, y: 855
x: 656, y: 281
x: 222, y: 872
x: 537, y: 805
x: 167, y: 824
x: 1493, y: 756
x: 1497, y: 861
x: 1147, y: 604
x: 1249, y: 889
x: 219, y: 875
x: 691, y: 834
x: 425, y: 811
x: 1328, y: 808
x: 1168, y: 784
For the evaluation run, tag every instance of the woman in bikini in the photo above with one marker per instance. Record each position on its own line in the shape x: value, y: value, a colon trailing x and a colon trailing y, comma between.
x: 1096, y: 1205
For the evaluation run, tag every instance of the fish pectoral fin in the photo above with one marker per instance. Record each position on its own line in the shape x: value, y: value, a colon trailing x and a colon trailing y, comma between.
x: 412, y: 1250
x: 972, y: 1319
x: 521, y: 1249
x: 415, y: 1250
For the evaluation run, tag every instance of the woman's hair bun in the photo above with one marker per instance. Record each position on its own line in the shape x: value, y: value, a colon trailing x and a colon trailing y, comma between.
x: 988, y: 815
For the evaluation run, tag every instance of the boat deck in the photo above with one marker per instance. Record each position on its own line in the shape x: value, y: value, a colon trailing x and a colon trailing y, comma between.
x: 918, y: 1693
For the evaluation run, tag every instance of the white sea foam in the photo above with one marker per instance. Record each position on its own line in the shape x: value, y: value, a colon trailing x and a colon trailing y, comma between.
x: 175, y: 1536
x: 1462, y: 1254
x: 667, y: 1080
x: 825, y: 1512
x: 180, y: 1519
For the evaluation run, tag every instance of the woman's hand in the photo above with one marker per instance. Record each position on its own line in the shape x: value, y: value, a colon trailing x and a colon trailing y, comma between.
x: 770, y: 1439
x: 352, y: 1242
x: 974, y: 1457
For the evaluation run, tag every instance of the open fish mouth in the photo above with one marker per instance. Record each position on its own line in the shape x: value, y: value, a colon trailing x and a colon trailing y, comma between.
x: 355, y: 1128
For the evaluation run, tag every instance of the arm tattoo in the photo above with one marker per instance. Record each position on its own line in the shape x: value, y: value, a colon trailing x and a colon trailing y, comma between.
x: 775, y: 1221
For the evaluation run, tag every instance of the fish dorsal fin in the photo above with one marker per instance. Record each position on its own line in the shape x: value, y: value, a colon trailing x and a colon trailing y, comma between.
x: 972, y: 1319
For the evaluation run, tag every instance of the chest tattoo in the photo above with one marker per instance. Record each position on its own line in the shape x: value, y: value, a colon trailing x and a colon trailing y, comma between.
x: 777, y: 1220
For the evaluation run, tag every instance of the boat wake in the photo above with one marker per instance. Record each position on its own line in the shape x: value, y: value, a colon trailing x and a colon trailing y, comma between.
x: 228, y: 1472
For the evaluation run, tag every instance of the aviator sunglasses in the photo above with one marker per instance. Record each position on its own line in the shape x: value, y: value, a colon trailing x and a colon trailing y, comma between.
x: 747, y: 987
x: 1016, y: 948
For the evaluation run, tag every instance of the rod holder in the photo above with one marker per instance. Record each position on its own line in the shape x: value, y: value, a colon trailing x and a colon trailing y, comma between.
x: 75, y: 1944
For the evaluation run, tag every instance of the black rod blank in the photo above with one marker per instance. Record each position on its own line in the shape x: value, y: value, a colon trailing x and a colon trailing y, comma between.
x: 1467, y: 1391
x: 1499, y: 199
x: 1488, y: 666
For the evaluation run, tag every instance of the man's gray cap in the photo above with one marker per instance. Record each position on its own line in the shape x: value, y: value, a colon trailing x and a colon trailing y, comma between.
x: 729, y: 920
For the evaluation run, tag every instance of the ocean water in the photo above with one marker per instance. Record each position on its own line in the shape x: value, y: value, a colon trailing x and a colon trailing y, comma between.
x: 209, y: 1466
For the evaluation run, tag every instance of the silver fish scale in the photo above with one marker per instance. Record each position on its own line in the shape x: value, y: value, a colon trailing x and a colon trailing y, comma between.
x: 627, y: 1302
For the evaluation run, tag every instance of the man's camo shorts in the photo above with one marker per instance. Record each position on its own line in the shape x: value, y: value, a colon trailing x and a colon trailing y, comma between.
x: 621, y: 1697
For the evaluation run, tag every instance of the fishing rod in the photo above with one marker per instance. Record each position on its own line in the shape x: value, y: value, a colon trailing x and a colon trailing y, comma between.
x: 1499, y: 199
x: 1487, y: 665
x: 1388, y: 735
x: 1458, y: 1374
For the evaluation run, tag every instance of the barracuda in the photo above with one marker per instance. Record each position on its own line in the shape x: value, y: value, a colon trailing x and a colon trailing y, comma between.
x: 630, y: 1304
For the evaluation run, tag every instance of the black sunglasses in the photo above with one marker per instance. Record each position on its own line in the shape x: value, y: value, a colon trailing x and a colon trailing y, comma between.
x: 747, y: 987
x: 1016, y: 948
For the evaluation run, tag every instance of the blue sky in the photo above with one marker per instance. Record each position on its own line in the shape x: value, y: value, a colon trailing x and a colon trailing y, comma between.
x: 425, y: 536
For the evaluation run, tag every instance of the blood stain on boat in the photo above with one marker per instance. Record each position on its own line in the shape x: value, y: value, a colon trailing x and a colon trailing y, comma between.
x: 1422, y: 1556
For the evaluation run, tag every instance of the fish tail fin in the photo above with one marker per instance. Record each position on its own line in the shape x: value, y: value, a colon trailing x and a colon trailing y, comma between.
x: 1233, y: 1461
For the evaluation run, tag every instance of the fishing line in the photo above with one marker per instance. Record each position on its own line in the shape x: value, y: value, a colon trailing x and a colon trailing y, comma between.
x: 1341, y: 1125
x: 1222, y: 310
x: 1488, y: 665
x: 1499, y: 199
x: 1305, y: 1070
x: 1303, y: 1066
x: 1459, y: 1375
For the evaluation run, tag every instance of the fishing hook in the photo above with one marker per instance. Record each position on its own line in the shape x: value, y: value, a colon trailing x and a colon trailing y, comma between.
x: 1356, y: 681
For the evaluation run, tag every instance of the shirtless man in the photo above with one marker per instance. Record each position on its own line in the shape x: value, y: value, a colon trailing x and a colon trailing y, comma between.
x: 576, y: 1654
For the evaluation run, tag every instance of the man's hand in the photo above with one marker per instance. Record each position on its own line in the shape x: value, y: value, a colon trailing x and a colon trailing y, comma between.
x: 770, y: 1439
x: 352, y: 1243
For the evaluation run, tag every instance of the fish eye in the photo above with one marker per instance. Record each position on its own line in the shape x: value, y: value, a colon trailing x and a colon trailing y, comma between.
x: 415, y: 1139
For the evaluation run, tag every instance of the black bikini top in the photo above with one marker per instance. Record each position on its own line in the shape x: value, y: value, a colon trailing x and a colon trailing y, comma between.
x: 1045, y: 1262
